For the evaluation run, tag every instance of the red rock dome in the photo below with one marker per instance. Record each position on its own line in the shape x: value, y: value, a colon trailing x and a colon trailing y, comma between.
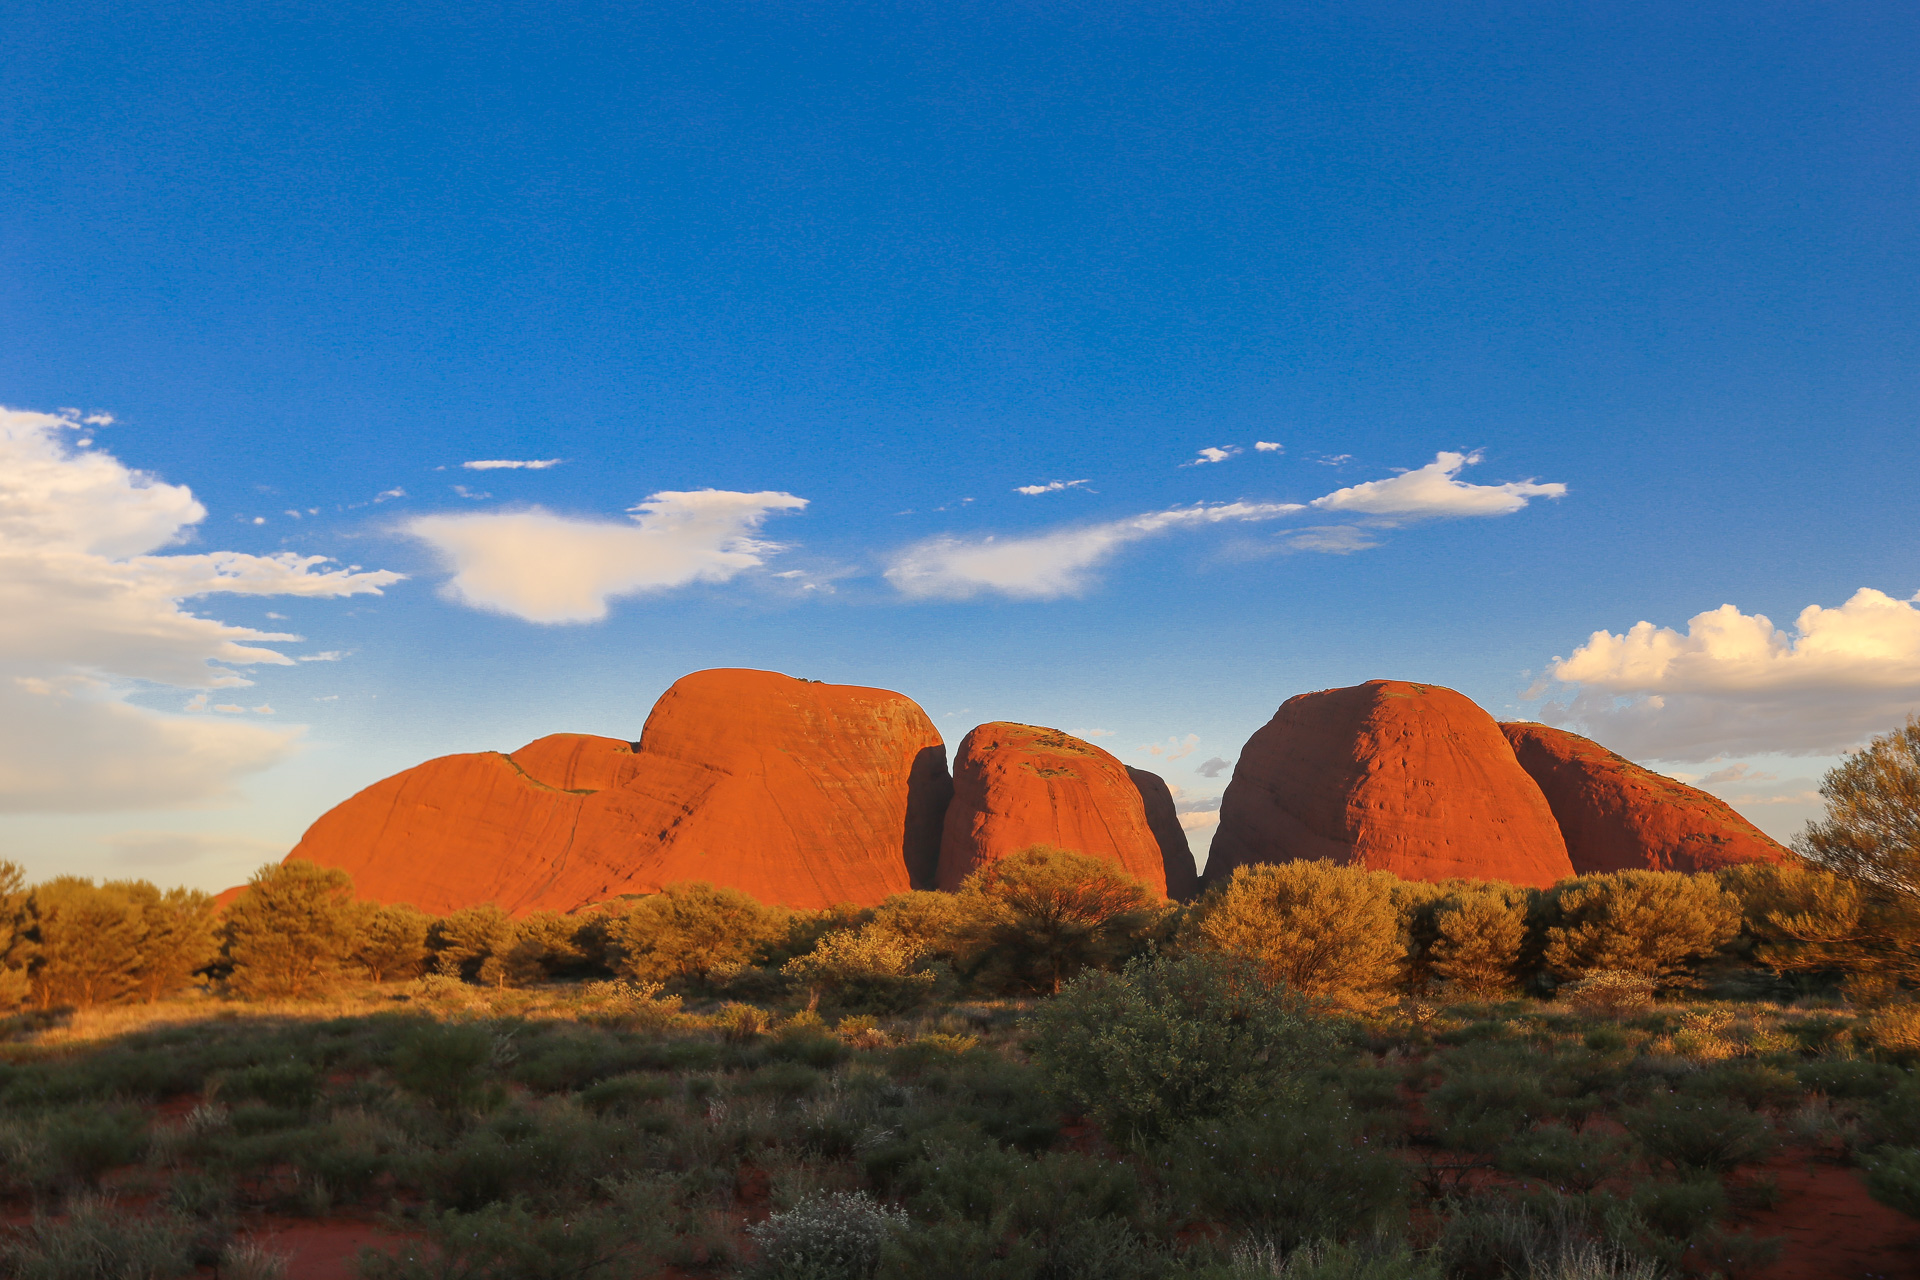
x: 1617, y: 816
x: 1016, y: 785
x: 797, y: 792
x: 1409, y: 778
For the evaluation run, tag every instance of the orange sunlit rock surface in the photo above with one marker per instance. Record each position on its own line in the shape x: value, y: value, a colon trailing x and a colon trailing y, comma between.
x: 1410, y: 778
x: 1618, y: 816
x: 1016, y: 785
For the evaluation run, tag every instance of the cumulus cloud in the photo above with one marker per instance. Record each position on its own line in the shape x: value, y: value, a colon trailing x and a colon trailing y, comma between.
x: 1267, y: 446
x: 1433, y: 491
x: 90, y: 609
x: 548, y: 568
x: 1219, y: 454
x: 1052, y: 486
x: 1213, y: 768
x: 1047, y: 565
x: 1735, y: 684
x: 511, y: 464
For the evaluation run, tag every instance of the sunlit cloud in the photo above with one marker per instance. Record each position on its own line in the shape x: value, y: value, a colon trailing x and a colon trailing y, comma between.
x: 511, y: 464
x: 1433, y: 491
x: 1052, y: 486
x: 548, y: 568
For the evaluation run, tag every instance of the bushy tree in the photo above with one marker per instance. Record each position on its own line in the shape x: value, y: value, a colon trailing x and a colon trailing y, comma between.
x: 1047, y: 913
x: 289, y: 934
x: 1871, y: 832
x: 540, y: 947
x: 1658, y: 923
x: 1167, y: 1042
x: 176, y: 929
x: 869, y: 967
x: 1802, y: 918
x: 1317, y: 927
x: 391, y: 941
x: 943, y: 926
x: 87, y: 942
x: 1479, y: 933
x: 692, y: 930
x: 471, y: 943
x: 16, y: 946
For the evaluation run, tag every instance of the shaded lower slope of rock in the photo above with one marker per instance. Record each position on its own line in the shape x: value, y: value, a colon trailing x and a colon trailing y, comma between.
x: 797, y: 792
x: 1016, y: 785
x: 1409, y: 778
x: 1618, y: 816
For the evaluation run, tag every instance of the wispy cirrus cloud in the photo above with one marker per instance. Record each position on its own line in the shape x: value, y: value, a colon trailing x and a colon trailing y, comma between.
x: 1052, y: 486
x: 512, y: 464
x: 1735, y: 684
x: 547, y: 568
x: 1049, y: 565
x: 1434, y: 491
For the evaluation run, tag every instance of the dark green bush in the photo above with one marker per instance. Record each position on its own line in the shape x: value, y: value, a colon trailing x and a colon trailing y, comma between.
x: 1893, y: 1176
x: 1848, y: 1077
x: 782, y: 1080
x: 1166, y: 1042
x: 958, y: 1249
x: 84, y: 1142
x: 98, y: 1240
x: 447, y: 1066
x: 1296, y: 1174
x: 1569, y: 1161
x: 619, y: 1094
x: 294, y: 1086
x: 1680, y: 1210
x: 1484, y: 1101
x: 1755, y: 1085
x: 1697, y: 1134
x: 508, y: 1242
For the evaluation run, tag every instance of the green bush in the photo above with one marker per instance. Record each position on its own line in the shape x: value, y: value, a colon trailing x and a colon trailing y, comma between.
x: 1848, y: 1077
x: 1167, y: 1042
x: 292, y: 1085
x: 958, y: 1249
x: 1755, y: 1085
x: 446, y: 1065
x: 97, y: 1240
x: 1656, y: 923
x: 1680, y: 1210
x: 836, y: 1236
x: 1484, y: 1101
x: 1698, y: 1134
x: 85, y: 1142
x: 1893, y: 1176
x: 1294, y: 1173
x: 1570, y: 1161
x: 625, y: 1093
x: 508, y: 1242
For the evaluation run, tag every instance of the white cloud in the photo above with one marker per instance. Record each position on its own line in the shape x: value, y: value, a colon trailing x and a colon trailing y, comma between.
x: 1046, y: 565
x: 1054, y: 486
x: 387, y: 495
x: 1333, y: 459
x: 1267, y: 446
x: 330, y: 655
x: 87, y: 608
x: 1735, y: 684
x: 511, y: 464
x: 1433, y: 491
x: 1219, y: 454
x: 548, y: 568
x: 1333, y: 539
x: 1172, y: 748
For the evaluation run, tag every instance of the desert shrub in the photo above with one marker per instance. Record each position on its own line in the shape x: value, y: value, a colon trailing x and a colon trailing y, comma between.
x: 1478, y: 936
x: 289, y: 933
x: 82, y: 1143
x: 1819, y: 1033
x: 251, y: 1260
x: 871, y: 968
x: 1262, y: 1259
x: 1550, y: 1237
x: 1484, y: 1100
x: 16, y: 946
x: 939, y: 926
x: 837, y: 1236
x: 1045, y: 914
x: 1169, y: 1041
x: 446, y: 1064
x: 625, y: 1093
x: 539, y: 948
x: 292, y: 1084
x: 1895, y: 1117
x: 1247, y: 1169
x: 1805, y: 918
x: 742, y: 1023
x: 469, y: 944
x: 1656, y: 923
x: 1847, y: 1077
x: 1569, y: 1160
x: 97, y: 1240
x: 87, y: 942
x: 693, y: 931
x: 1697, y: 1134
x: 1894, y: 1033
x: 508, y: 1242
x: 1317, y: 928
x: 1680, y: 1210
x: 1101, y: 1248
x: 391, y: 942
x: 958, y: 1249
x: 1893, y: 1176
x: 1755, y: 1085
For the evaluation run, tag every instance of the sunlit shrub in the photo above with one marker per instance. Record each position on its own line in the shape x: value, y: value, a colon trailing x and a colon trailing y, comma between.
x: 1313, y: 927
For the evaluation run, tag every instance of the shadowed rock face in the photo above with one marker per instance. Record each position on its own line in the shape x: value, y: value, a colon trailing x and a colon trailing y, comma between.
x: 1409, y: 778
x: 1176, y: 855
x: 1016, y: 785
x: 799, y: 793
x: 1617, y: 816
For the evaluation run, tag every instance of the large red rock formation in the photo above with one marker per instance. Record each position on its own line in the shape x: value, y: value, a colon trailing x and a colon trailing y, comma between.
x: 1163, y: 819
x: 1016, y: 785
x: 1409, y: 778
x: 1617, y: 816
x: 797, y: 792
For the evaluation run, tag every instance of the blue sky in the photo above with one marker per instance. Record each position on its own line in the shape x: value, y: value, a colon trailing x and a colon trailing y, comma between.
x: 1613, y: 308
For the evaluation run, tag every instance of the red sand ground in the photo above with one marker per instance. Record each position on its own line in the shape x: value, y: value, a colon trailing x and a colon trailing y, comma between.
x: 322, y: 1250
x: 1831, y: 1229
